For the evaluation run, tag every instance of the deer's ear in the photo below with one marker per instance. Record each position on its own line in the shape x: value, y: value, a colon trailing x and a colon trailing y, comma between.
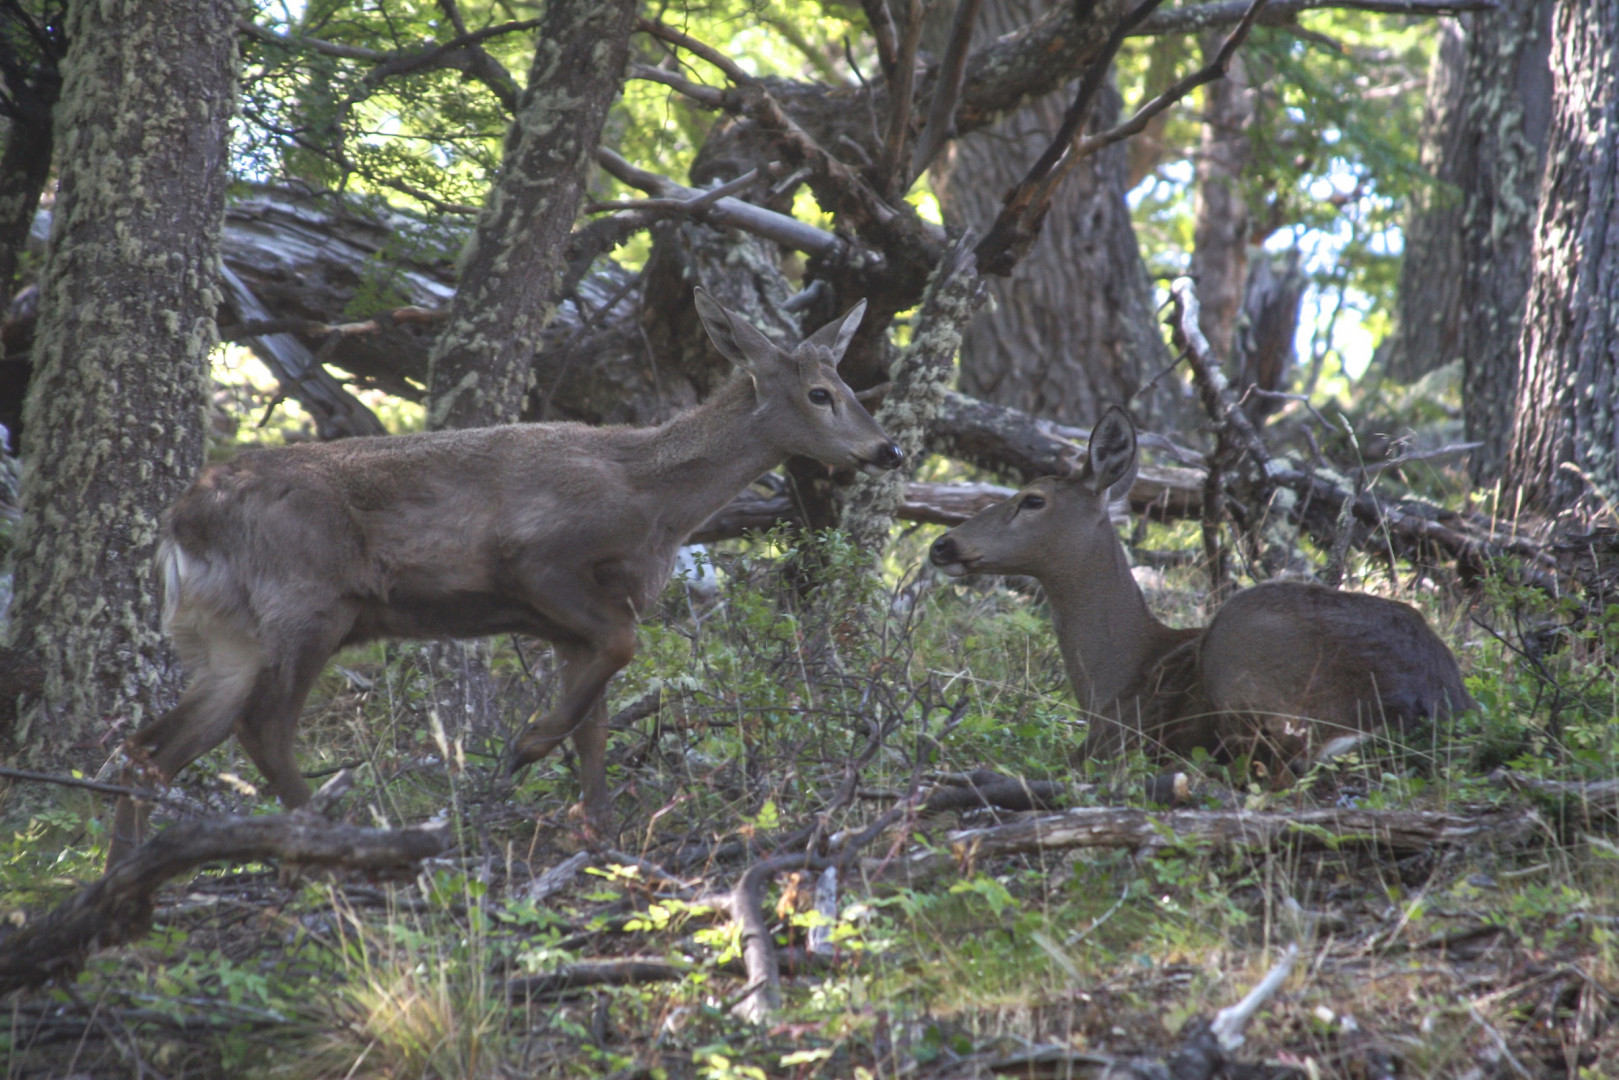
x: 835, y: 335
x: 1110, y: 463
x: 736, y: 338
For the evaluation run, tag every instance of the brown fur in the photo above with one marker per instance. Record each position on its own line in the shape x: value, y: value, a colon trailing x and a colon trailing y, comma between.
x: 279, y: 558
x: 1284, y: 670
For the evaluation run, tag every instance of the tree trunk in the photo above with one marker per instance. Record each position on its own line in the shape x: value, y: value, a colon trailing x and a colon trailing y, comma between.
x: 1072, y: 329
x: 1564, y: 439
x: 482, y: 363
x: 1428, y: 312
x: 1509, y: 103
x: 1220, y: 213
x: 114, y: 417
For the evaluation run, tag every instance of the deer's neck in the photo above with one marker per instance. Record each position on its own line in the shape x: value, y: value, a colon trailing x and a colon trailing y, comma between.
x: 701, y: 460
x: 1107, y: 635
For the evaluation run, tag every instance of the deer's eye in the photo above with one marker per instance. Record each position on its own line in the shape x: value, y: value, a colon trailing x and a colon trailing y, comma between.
x: 820, y: 396
x: 1031, y: 502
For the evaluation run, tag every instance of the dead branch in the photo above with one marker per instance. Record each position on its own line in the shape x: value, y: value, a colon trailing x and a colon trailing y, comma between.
x: 461, y: 53
x: 1214, y: 69
x: 118, y: 907
x: 941, y: 122
x: 1153, y: 832
x: 1575, y: 799
x: 721, y: 211
x: 293, y: 325
x: 630, y: 971
x: 758, y: 946
x: 1195, y: 18
x: 901, y: 99
x: 985, y: 788
x: 1025, y: 206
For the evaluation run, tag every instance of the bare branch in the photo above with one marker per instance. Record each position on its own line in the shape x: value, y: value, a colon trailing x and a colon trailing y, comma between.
x: 698, y: 48
x: 708, y: 96
x: 941, y: 123
x: 459, y: 52
x: 309, y: 328
x: 901, y: 100
x: 1018, y: 223
x: 882, y: 30
x: 1198, y: 17
x: 1214, y: 69
x: 725, y: 212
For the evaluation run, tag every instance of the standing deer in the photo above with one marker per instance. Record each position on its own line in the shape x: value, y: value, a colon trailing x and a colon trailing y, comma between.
x: 274, y: 561
x: 1286, y: 672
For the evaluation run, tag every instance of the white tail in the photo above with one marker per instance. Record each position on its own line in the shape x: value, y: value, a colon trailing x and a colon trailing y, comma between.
x: 1285, y: 672
x: 274, y: 561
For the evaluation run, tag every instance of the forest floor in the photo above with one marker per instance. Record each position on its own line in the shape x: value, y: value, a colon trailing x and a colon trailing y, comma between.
x: 757, y: 724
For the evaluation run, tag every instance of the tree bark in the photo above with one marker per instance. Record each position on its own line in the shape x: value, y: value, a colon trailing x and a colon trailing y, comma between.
x: 1564, y: 439
x: 1072, y: 328
x: 114, y: 417
x: 482, y: 364
x: 1508, y: 116
x: 921, y: 378
x: 1220, y: 213
x: 1428, y: 313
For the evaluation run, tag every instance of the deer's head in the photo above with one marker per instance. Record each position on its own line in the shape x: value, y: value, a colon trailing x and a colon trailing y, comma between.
x: 811, y: 411
x: 1056, y: 523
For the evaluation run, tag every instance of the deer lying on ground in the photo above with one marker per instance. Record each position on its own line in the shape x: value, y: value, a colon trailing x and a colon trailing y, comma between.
x: 1286, y: 672
x: 274, y: 561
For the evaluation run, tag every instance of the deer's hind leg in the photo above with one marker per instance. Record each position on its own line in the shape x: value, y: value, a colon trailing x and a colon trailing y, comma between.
x: 600, y: 641
x: 227, y: 666
x: 267, y: 728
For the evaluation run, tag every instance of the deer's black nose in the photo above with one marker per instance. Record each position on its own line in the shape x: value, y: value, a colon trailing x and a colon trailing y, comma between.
x: 889, y: 456
x: 943, y: 551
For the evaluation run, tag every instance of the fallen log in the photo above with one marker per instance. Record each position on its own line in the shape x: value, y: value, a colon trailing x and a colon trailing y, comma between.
x: 1155, y: 832
x: 118, y: 907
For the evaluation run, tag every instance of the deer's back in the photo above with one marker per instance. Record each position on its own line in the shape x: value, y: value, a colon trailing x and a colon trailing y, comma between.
x: 1314, y: 663
x: 437, y: 528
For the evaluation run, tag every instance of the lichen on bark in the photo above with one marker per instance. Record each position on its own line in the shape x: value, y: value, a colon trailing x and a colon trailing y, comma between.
x: 918, y: 382
x: 1565, y: 443
x: 113, y: 424
x: 481, y: 367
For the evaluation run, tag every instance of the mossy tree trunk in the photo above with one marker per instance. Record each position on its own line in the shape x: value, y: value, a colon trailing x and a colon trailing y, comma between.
x: 1507, y: 120
x: 1565, y: 442
x: 482, y: 363
x: 1072, y: 329
x: 113, y: 429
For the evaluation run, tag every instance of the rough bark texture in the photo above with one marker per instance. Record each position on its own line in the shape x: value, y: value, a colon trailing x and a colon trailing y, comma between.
x: 1564, y: 440
x: 921, y: 376
x: 482, y: 361
x: 1509, y: 100
x: 114, y: 416
x: 1072, y: 328
x: 1428, y: 316
x: 1220, y: 225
